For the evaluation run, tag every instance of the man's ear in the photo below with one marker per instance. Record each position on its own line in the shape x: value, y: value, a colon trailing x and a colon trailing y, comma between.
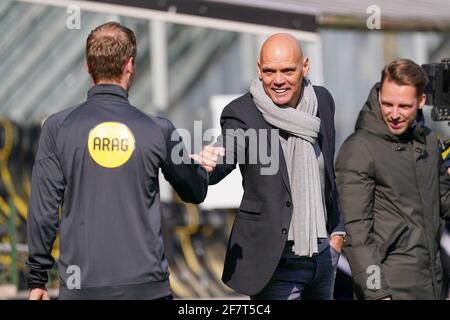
x: 422, y: 100
x: 305, y: 66
x: 129, y: 67
x: 258, y: 67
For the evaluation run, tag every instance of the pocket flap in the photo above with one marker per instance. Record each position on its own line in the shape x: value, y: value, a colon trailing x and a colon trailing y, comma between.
x: 254, y: 206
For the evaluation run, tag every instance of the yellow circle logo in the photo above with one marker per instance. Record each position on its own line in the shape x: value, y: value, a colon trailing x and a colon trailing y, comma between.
x: 111, y: 144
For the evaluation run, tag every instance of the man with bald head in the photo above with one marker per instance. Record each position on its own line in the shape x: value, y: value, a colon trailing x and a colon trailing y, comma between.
x: 287, y: 235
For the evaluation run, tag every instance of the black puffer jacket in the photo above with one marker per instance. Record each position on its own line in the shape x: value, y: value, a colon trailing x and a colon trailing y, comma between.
x: 393, y: 201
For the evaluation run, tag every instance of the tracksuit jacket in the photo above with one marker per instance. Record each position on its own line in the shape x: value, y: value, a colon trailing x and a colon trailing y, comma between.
x: 95, y: 180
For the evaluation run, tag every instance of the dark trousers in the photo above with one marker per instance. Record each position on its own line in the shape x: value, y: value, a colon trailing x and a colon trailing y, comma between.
x: 302, y: 278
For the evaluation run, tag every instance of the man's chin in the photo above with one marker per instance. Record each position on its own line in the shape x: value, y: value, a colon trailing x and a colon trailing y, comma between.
x: 397, y: 132
x: 280, y: 102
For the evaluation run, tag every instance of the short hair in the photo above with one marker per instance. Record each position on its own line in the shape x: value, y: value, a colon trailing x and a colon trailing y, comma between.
x: 405, y: 72
x: 108, y: 49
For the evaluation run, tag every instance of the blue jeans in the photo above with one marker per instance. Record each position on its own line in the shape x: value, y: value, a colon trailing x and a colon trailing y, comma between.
x: 302, y: 278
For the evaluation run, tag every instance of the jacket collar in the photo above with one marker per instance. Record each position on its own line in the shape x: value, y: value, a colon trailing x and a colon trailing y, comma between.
x: 108, y: 89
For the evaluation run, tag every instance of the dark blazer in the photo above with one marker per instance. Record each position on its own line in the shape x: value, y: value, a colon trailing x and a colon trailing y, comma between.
x: 260, y: 230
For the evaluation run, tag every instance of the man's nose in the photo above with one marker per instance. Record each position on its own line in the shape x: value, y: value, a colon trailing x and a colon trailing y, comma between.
x: 279, y: 79
x: 395, y: 114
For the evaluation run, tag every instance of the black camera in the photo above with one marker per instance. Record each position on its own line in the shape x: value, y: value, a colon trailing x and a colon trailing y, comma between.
x: 438, y: 89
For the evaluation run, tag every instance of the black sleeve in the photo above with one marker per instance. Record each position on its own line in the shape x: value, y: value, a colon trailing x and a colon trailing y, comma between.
x: 47, y: 189
x: 444, y: 188
x: 189, y: 180
x: 336, y: 216
x: 232, y: 126
x: 335, y: 222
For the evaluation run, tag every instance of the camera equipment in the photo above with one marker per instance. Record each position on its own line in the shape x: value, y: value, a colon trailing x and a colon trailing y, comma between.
x: 438, y: 89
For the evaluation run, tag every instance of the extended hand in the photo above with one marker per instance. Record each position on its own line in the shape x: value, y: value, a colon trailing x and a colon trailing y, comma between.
x: 38, y: 294
x: 336, y: 242
x: 208, y: 157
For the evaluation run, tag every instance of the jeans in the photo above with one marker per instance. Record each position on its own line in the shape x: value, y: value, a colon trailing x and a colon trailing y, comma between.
x: 302, y: 278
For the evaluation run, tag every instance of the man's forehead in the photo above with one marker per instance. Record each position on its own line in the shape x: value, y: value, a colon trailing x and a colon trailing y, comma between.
x: 393, y: 89
x: 278, y: 64
x: 279, y: 56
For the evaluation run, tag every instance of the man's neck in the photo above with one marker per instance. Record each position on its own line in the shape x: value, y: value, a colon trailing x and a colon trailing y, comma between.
x: 122, y: 84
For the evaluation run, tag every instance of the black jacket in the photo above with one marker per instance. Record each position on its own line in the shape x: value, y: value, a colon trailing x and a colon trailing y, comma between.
x: 110, y: 224
x: 393, y: 199
x: 261, y: 227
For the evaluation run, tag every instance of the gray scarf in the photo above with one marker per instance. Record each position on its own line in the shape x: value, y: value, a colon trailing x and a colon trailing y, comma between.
x: 308, y: 219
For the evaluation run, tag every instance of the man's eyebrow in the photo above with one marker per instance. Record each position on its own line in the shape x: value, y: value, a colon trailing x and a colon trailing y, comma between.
x: 401, y: 104
x: 386, y: 102
x: 293, y: 68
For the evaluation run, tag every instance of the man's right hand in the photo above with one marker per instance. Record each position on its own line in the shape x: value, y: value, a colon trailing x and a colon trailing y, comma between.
x: 38, y: 294
x: 208, y: 157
